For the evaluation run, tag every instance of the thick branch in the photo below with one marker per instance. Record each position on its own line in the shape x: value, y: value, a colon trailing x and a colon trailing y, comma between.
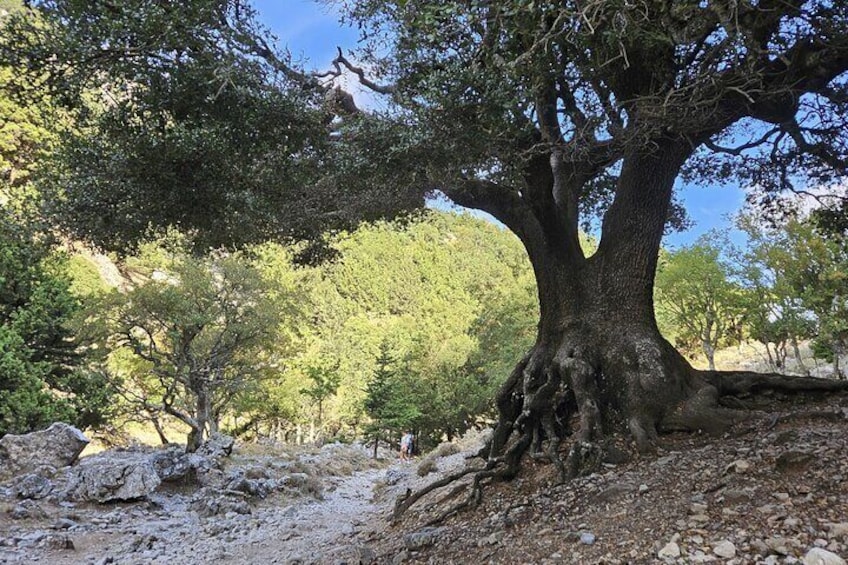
x: 342, y: 61
x: 504, y: 203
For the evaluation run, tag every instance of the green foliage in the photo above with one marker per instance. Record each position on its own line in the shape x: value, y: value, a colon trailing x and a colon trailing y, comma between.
x: 193, y: 337
x: 695, y: 294
x: 774, y: 312
x: 450, y: 297
x: 389, y: 401
x: 816, y: 267
x: 199, y: 126
x: 43, y: 374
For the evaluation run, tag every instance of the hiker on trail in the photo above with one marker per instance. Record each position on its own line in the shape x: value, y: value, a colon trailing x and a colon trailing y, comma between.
x: 406, y: 446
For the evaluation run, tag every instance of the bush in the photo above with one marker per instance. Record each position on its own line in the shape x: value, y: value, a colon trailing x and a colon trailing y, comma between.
x: 427, y: 466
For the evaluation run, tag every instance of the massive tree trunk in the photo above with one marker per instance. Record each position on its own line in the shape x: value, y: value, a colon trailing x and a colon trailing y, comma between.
x: 599, y: 364
x: 599, y: 360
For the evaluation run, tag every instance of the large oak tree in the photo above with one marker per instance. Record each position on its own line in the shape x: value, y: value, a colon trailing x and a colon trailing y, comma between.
x: 540, y: 113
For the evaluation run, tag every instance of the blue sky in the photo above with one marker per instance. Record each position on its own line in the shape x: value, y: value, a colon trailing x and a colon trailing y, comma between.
x: 312, y: 31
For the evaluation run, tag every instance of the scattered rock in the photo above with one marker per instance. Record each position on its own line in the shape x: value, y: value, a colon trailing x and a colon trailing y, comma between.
x: 838, y: 530
x: 33, y: 486
x: 27, y: 510
x: 725, y: 549
x: 778, y: 545
x: 793, y: 461
x: 614, y: 492
x: 355, y: 555
x: 422, y: 538
x: 587, y: 538
x: 394, y: 475
x: 739, y: 466
x: 112, y: 477
x: 671, y: 550
x: 172, y: 463
x: 210, y: 502
x: 57, y: 446
x: 218, y: 446
x: 736, y: 495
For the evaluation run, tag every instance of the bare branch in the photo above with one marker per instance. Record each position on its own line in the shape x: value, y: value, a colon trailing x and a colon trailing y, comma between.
x: 342, y: 61
x: 740, y: 149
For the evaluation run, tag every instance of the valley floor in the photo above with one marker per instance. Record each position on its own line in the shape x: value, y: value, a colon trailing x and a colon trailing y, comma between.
x: 771, y: 491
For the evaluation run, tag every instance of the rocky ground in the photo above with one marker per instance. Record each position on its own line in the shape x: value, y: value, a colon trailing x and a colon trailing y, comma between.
x: 774, y: 490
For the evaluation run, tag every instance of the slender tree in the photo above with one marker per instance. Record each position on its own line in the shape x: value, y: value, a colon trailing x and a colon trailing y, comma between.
x: 694, y: 290
x: 195, y: 335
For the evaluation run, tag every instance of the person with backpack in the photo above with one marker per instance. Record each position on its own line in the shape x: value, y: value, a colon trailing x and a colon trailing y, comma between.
x: 407, y: 446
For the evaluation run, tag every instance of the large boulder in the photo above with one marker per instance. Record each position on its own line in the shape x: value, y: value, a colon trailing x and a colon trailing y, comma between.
x: 112, y: 476
x: 217, y: 447
x: 172, y: 464
x: 33, y: 486
x: 57, y: 446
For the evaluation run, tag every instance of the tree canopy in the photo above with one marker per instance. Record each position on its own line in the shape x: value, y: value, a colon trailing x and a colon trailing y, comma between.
x: 547, y: 115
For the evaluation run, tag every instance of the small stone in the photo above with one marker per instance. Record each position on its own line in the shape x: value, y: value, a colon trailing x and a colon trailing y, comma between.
x: 64, y: 524
x: 778, y: 545
x: 702, y: 518
x: 739, y: 466
x: 782, y: 496
x: 838, y: 530
x: 671, y: 550
x: 423, y: 538
x: 574, y: 537
x: 698, y: 508
x: 587, y: 538
x: 736, y: 495
x: 643, y: 488
x: 791, y: 522
x: 819, y: 556
x: 793, y: 461
x: 759, y: 547
x: 725, y: 549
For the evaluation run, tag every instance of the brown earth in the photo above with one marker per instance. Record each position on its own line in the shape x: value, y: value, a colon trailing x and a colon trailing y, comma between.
x: 774, y: 488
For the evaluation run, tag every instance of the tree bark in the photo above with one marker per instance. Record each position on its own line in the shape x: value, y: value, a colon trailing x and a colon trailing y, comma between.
x: 709, y: 351
x: 797, y: 350
x: 159, y: 431
x: 599, y: 363
x: 201, y: 421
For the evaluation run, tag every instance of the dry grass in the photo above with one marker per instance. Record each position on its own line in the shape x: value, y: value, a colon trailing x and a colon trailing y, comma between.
x: 428, y: 465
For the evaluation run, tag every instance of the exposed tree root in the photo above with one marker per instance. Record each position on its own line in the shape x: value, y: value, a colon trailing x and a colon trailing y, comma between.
x: 831, y: 416
x: 655, y: 390
x: 403, y: 503
x: 747, y: 382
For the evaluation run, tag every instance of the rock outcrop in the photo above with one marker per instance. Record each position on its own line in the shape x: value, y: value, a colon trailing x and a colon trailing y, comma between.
x: 112, y: 476
x: 57, y: 446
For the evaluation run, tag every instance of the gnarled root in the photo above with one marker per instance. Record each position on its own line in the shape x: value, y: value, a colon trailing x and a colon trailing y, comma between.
x: 640, y: 384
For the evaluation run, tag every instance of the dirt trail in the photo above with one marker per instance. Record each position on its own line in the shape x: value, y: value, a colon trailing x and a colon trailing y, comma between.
x: 165, y: 529
x: 321, y: 531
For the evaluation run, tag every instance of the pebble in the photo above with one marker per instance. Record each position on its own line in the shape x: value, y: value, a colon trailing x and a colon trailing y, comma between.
x: 671, y: 550
x: 739, y: 466
x: 587, y: 538
x: 819, y: 556
x: 725, y: 549
x: 838, y: 530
